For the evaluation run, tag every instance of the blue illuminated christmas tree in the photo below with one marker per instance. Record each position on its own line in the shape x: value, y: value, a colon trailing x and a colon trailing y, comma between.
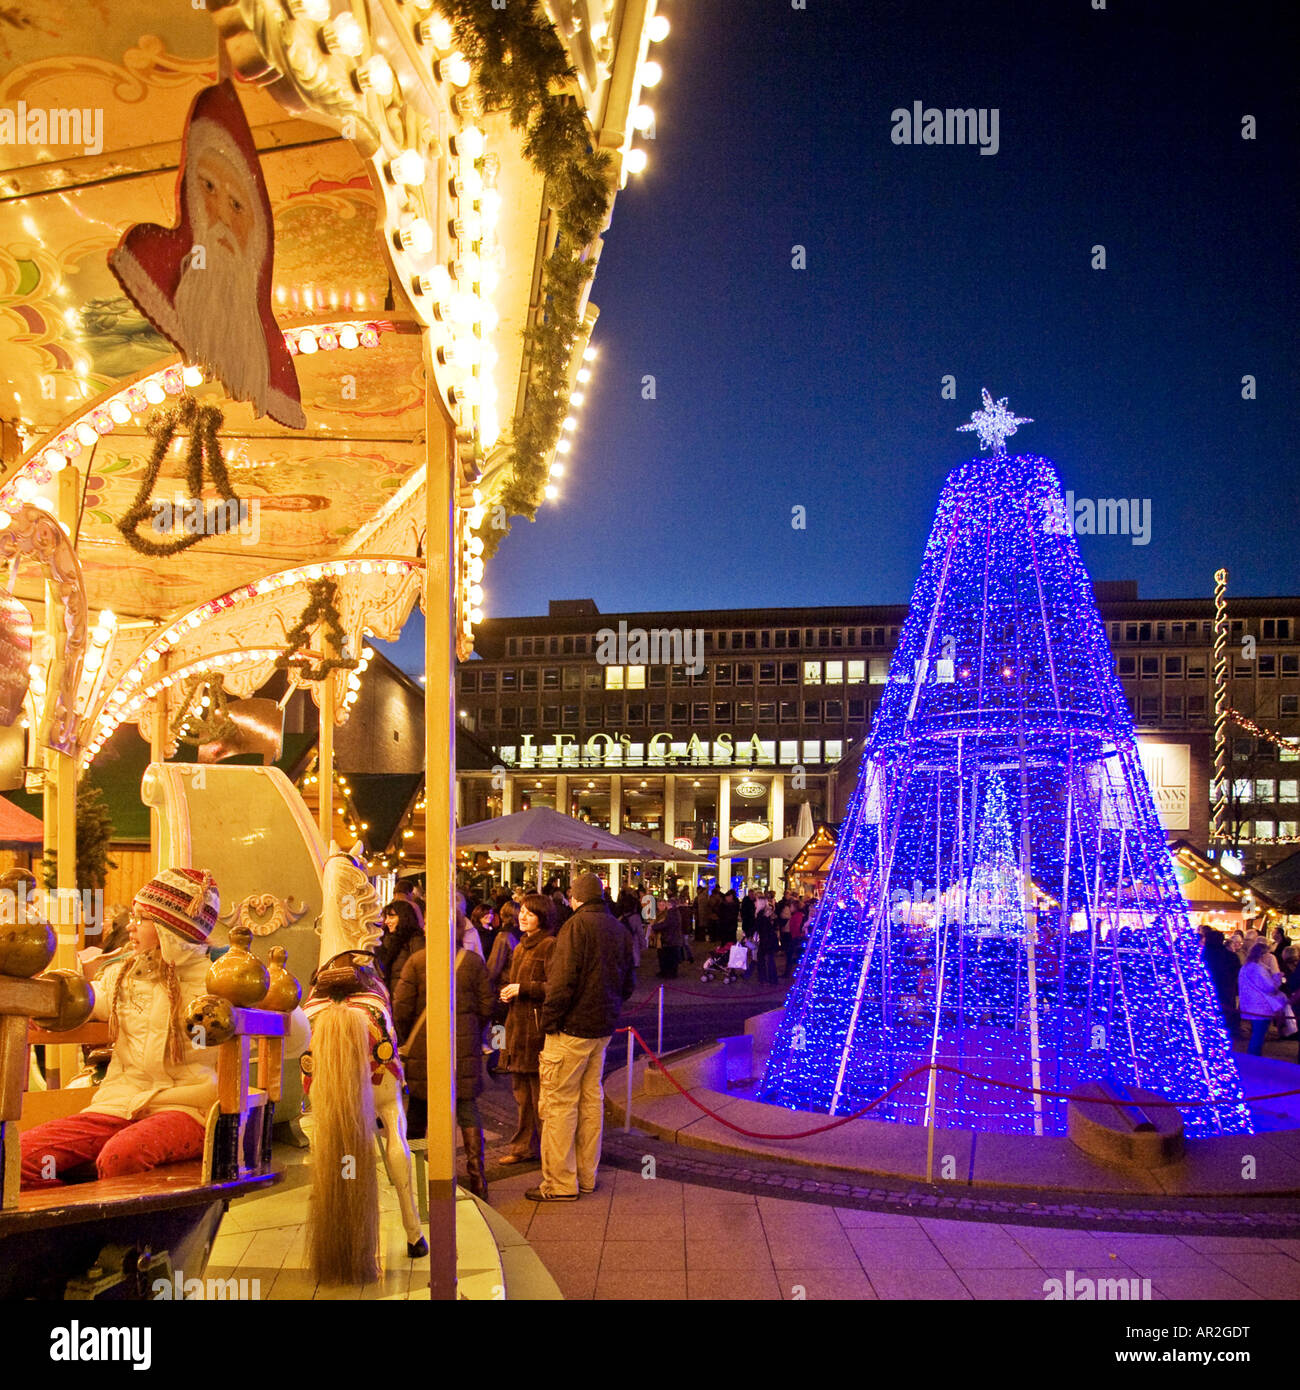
x: 1002, y: 901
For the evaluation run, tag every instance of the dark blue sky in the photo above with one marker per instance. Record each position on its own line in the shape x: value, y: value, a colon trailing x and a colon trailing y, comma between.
x: 778, y: 387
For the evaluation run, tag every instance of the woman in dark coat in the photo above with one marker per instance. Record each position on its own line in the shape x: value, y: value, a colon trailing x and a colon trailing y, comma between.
x: 524, y: 994
x: 403, y: 936
x: 669, y: 926
x: 473, y: 1008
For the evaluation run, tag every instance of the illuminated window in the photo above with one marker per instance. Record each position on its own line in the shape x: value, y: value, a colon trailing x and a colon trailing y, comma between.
x: 812, y: 673
x: 879, y: 670
x: 636, y: 677
x: 812, y: 750
x: 1287, y: 790
x: 613, y: 678
x: 1264, y: 789
x: 857, y: 672
x: 835, y: 672
x: 789, y: 750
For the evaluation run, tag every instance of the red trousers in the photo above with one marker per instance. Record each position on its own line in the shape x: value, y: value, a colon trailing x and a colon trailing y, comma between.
x: 62, y: 1149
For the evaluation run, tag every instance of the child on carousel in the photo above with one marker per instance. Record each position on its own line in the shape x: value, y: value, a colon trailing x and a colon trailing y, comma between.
x: 153, y: 1105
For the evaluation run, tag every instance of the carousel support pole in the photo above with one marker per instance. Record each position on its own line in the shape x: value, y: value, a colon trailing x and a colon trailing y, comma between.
x: 158, y: 754
x: 325, y: 755
x: 440, y: 834
x: 61, y: 770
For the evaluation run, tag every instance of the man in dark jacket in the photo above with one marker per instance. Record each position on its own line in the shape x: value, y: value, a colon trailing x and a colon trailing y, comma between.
x: 589, y: 978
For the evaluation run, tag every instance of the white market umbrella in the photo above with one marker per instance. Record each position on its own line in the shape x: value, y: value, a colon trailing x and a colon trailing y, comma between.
x: 542, y: 831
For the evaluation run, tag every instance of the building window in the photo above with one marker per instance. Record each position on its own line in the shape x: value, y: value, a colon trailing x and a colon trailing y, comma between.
x: 1150, y: 666
x: 572, y: 676
x: 1173, y: 706
x: 1150, y: 706
x: 550, y: 716
x: 812, y: 711
x: 834, y: 711
x: 613, y: 678
x: 837, y: 637
x: 823, y: 637
x: 1267, y: 664
x: 834, y: 749
x: 722, y: 674
x: 835, y: 672
x: 1288, y: 790
x: 812, y: 673
x: 592, y: 678
x: 582, y: 646
x: 1241, y: 789
x: 1128, y: 665
x: 767, y: 673
x: 591, y: 717
x: 566, y: 646
x: 789, y: 672
x: 1176, y: 631
x: 658, y: 675
x: 765, y: 638
x: 487, y: 682
x: 879, y: 670
x: 1196, y: 706
x: 1290, y: 704
x: 509, y: 680
x: 551, y: 678
x: 812, y: 750
x: 745, y: 713
x: 1196, y: 668
x: 636, y: 677
x: 767, y: 711
x: 657, y: 713
x: 488, y: 718
x: 509, y: 718
x: 1277, y: 629
x: 789, y: 710
x: 1130, y: 632
x: 1160, y: 632
x: 528, y: 680
x: 699, y: 713
x: 1291, y: 665
x: 722, y: 641
x: 789, y: 750
x: 1264, y: 830
x: 613, y: 716
x: 745, y: 673
x: 636, y: 714
x: 722, y: 713
x: 750, y: 640
x: 678, y: 712
x: 1265, y: 789
x: 468, y: 681
x: 555, y: 647
x: 780, y: 637
x: 1173, y: 666
x: 857, y: 711
x: 570, y: 716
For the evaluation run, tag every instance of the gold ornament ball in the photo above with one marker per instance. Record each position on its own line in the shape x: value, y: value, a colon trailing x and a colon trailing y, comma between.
x: 239, y: 976
x: 284, y: 992
x: 26, y: 948
x: 76, y: 1001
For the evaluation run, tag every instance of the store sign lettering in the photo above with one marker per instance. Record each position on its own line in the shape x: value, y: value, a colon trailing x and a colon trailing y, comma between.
x: 599, y: 748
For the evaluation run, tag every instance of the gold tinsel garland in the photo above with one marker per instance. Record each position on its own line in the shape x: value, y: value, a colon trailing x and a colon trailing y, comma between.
x: 322, y: 606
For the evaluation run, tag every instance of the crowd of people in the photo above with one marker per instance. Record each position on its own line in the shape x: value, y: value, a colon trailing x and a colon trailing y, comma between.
x: 1257, y: 982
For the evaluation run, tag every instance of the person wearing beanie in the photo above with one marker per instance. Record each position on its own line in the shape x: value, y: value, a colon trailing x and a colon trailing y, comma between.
x: 588, y: 980
x: 153, y: 1105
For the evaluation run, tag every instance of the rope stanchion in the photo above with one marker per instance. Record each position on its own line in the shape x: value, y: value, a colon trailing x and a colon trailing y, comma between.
x: 923, y: 1069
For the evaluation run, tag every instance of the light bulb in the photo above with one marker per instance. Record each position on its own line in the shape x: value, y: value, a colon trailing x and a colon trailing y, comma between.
x: 636, y: 161
x: 377, y: 75
x: 651, y: 73
x: 658, y: 28
x: 454, y: 68
x: 643, y: 118
x: 86, y: 434
x: 119, y: 411
x: 469, y: 142
x: 408, y: 168
x: 348, y: 337
x: 54, y: 460
x: 344, y: 35
x: 416, y: 236
x: 154, y: 393
x: 584, y: 374
x: 307, y: 342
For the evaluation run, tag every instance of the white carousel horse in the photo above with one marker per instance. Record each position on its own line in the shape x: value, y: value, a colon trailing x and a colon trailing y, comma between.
x: 353, y: 1075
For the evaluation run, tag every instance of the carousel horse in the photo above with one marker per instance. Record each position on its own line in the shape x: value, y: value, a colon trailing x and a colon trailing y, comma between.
x: 353, y: 1077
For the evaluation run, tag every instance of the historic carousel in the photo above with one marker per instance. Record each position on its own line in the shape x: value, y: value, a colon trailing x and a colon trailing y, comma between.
x: 295, y: 324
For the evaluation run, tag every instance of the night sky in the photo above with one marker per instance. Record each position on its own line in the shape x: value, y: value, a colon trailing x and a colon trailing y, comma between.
x: 820, y: 388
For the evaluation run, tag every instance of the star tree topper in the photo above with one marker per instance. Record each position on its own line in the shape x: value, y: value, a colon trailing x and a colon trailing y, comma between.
x: 995, y: 424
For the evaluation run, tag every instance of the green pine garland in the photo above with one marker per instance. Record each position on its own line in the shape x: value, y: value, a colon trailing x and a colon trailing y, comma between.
x: 516, y: 58
x: 94, y: 833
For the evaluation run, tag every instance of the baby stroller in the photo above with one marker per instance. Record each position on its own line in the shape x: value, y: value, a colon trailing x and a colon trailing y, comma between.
x: 715, y: 965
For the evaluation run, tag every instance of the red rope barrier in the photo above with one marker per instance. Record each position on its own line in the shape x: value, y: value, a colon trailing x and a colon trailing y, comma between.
x: 920, y: 1070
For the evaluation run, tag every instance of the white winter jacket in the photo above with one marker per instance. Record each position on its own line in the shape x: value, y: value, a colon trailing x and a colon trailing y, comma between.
x: 1258, y: 995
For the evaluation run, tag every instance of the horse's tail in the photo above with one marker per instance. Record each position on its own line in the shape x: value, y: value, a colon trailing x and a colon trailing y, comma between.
x: 343, y: 1224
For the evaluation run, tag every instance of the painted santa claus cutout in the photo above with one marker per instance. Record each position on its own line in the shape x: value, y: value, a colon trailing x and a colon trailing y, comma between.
x: 205, y: 284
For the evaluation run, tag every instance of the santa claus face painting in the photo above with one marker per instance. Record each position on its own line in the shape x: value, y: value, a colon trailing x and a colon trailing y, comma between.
x: 206, y: 283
